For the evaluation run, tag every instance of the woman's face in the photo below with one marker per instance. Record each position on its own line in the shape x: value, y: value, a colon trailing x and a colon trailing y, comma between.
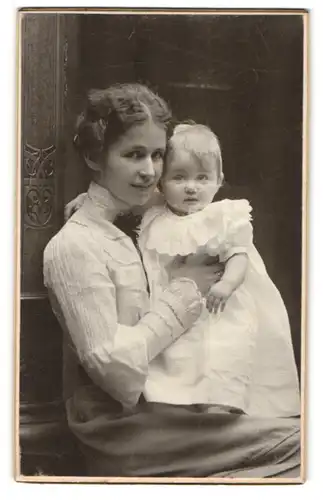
x: 133, y: 164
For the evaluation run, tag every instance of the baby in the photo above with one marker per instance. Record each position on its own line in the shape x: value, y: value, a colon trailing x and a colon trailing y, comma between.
x: 238, y: 356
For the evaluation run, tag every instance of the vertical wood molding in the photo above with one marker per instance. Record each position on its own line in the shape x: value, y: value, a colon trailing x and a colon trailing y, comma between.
x: 43, y: 91
x: 45, y: 441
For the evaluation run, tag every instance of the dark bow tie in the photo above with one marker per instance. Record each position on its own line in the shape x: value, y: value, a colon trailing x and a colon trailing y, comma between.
x: 128, y: 224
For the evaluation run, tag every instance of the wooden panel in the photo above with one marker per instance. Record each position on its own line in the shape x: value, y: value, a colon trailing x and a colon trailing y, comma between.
x: 45, y: 442
x: 42, y: 150
x: 40, y: 352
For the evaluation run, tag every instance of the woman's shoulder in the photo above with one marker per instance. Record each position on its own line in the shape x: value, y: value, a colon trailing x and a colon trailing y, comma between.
x: 73, y: 239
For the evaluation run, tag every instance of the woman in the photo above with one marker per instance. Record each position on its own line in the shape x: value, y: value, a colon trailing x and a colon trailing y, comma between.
x: 98, y: 291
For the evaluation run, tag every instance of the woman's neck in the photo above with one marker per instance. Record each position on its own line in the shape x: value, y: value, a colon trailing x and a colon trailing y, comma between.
x: 105, y: 199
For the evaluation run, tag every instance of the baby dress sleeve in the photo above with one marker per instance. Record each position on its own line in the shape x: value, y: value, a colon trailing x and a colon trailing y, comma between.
x: 238, y: 229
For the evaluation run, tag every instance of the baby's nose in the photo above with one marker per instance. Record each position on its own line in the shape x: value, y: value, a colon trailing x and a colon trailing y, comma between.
x: 189, y: 188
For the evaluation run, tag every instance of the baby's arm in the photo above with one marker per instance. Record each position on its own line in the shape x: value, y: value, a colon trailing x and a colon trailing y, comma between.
x: 238, y: 238
x: 235, y: 270
x: 233, y: 277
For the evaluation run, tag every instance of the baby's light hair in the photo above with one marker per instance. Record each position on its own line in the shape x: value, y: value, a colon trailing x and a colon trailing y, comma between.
x: 199, y: 141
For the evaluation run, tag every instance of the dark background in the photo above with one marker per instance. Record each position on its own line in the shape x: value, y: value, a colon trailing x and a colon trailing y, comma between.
x: 241, y: 75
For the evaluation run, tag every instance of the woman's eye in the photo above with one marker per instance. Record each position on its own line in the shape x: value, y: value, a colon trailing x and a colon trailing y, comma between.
x: 135, y: 155
x: 202, y: 177
x: 157, y: 155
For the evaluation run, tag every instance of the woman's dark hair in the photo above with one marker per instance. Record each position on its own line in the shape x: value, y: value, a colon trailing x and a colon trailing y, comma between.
x: 109, y: 113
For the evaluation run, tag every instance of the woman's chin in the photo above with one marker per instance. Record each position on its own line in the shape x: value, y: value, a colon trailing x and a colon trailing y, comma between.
x: 143, y: 198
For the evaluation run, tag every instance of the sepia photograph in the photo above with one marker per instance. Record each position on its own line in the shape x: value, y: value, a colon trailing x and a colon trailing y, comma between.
x: 161, y: 246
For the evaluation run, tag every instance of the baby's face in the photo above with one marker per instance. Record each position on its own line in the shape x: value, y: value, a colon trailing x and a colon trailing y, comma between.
x: 188, y: 185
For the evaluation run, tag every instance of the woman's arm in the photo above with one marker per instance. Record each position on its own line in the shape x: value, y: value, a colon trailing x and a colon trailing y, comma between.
x: 83, y: 295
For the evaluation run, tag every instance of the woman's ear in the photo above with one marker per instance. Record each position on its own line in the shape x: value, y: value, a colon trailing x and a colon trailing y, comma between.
x: 92, y: 164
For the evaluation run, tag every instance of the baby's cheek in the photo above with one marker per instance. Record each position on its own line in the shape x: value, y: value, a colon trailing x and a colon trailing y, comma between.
x: 172, y: 193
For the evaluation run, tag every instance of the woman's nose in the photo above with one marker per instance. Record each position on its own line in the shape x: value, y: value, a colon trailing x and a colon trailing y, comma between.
x: 147, y: 169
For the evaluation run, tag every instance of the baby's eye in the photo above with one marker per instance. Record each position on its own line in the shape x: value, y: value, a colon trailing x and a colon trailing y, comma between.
x: 178, y: 177
x: 202, y: 177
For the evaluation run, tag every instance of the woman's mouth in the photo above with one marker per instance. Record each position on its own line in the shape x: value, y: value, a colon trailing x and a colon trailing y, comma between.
x: 142, y: 187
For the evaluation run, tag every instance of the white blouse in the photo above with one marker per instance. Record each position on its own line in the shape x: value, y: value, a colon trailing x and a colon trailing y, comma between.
x: 98, y: 291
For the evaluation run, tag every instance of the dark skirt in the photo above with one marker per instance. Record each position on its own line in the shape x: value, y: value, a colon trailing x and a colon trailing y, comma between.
x: 160, y: 440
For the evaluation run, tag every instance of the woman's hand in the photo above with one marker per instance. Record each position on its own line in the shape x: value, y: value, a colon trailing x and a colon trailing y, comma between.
x: 74, y: 205
x: 205, y: 274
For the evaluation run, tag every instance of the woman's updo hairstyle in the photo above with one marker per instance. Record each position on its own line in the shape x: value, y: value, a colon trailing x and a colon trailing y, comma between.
x: 109, y: 113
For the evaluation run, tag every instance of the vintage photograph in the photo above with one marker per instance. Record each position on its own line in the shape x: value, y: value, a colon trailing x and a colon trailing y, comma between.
x: 161, y: 248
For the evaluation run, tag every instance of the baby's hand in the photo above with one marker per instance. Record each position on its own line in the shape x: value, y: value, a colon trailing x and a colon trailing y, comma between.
x: 218, y: 296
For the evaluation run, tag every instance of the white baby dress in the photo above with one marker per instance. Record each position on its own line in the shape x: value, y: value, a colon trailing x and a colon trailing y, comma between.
x: 242, y: 357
